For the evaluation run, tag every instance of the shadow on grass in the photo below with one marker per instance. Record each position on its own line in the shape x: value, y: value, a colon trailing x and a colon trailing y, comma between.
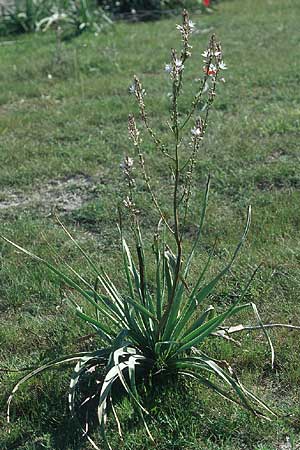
x: 191, y: 417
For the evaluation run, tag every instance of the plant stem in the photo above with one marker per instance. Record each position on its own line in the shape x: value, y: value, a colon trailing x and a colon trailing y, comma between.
x: 177, y: 237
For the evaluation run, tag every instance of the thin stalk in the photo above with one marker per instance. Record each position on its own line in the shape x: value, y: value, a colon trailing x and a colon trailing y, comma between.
x: 177, y: 237
x: 150, y: 190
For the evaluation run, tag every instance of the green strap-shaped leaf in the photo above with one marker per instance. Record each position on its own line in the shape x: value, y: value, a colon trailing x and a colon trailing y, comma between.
x: 49, y: 365
x: 236, y: 386
x: 206, y: 290
x: 86, y: 256
x: 190, y: 307
x: 81, y: 367
x: 202, y: 217
x: 66, y: 279
x: 241, y: 298
x: 144, y: 311
x: 135, y: 275
x: 198, y: 335
x: 159, y: 297
x: 210, y: 286
x: 106, y: 332
x: 132, y: 378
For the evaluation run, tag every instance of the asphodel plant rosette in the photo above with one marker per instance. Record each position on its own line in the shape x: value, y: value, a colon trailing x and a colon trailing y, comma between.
x: 160, y: 323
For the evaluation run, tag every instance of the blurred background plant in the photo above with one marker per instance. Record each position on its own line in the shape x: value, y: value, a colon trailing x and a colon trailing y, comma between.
x: 152, y: 9
x: 23, y: 16
x: 40, y: 15
x: 20, y: 16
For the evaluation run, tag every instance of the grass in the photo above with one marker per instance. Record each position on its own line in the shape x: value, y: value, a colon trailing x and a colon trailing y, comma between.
x: 62, y: 137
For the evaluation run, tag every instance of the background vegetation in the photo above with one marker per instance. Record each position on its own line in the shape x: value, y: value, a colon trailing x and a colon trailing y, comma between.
x: 76, y: 16
x: 63, y: 132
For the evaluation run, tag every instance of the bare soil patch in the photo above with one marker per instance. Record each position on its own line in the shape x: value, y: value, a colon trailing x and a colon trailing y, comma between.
x: 65, y: 195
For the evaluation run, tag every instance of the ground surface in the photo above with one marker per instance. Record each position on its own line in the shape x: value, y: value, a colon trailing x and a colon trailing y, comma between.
x: 63, y: 132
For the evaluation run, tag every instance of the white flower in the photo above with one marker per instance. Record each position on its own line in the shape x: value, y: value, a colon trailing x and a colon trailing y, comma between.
x: 206, y: 87
x: 206, y: 53
x: 180, y: 28
x: 168, y: 68
x: 132, y: 89
x: 128, y: 203
x: 179, y: 65
x: 222, y: 65
x: 196, y: 131
x: 49, y: 76
x: 127, y: 163
x: 192, y: 26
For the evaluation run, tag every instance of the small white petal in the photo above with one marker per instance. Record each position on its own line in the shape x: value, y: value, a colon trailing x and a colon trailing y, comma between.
x: 192, y: 25
x: 206, y: 53
x: 132, y: 89
x: 168, y: 68
x: 222, y: 66
x: 196, y: 131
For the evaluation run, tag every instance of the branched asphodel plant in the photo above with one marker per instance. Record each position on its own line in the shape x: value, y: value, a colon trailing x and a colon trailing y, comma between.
x: 146, y: 332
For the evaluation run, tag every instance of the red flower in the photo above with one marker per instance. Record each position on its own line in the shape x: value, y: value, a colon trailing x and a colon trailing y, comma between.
x: 211, y: 70
x: 206, y: 3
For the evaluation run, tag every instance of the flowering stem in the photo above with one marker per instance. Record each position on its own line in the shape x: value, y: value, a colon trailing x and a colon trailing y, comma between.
x: 195, y: 103
x: 207, y: 66
x: 187, y: 190
x: 140, y: 93
x: 177, y: 236
x: 150, y: 190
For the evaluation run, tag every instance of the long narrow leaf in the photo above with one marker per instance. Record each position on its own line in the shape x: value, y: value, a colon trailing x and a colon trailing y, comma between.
x: 202, y: 217
x: 106, y: 332
x: 198, y: 335
x: 80, y: 367
x: 254, y: 307
x: 65, y: 278
x: 86, y: 256
x: 49, y: 365
x: 191, y: 305
x: 204, y: 292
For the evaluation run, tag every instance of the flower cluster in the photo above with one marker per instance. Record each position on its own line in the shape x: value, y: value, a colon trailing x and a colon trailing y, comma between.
x: 137, y: 89
x: 177, y: 64
x: 176, y: 67
x: 133, y: 132
x: 127, y: 165
x: 128, y: 203
x: 213, y: 59
x: 186, y: 29
x: 198, y: 130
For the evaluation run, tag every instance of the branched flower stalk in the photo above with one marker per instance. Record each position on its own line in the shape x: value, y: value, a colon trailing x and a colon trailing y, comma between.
x: 137, y: 89
x: 134, y: 136
x: 181, y: 170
